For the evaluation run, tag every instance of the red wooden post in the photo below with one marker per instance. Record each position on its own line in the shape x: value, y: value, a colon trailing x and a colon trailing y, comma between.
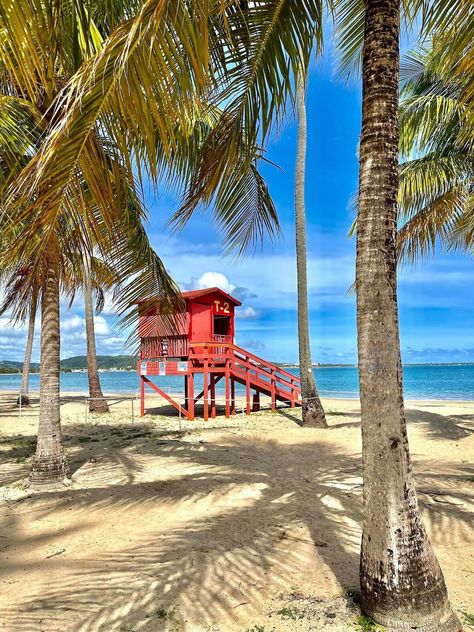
x: 293, y: 395
x: 227, y: 389
x: 232, y: 396
x: 206, y: 390
x: 273, y: 390
x: 213, y: 395
x: 190, y: 391
x: 247, y: 390
x: 142, y: 396
x: 185, y: 391
x: 256, y: 402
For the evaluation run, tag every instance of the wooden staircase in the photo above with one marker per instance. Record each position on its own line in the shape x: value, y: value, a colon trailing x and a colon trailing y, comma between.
x: 264, y: 377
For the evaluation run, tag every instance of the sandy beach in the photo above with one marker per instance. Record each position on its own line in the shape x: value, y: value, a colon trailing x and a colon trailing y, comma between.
x: 248, y: 524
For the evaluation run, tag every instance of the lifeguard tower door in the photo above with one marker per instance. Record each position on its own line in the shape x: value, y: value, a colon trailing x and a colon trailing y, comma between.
x: 200, y: 325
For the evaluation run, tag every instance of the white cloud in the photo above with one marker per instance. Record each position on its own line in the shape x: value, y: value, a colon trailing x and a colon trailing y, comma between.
x: 73, y: 323
x: 101, y: 326
x: 247, y: 313
x: 210, y: 279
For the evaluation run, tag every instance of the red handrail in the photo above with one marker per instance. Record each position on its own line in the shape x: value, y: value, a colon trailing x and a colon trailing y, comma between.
x: 281, y: 378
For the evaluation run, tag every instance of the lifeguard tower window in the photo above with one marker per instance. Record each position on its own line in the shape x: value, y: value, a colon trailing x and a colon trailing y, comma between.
x: 221, y: 326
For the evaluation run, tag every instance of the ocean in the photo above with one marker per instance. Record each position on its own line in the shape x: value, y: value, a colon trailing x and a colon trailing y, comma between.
x: 455, y: 382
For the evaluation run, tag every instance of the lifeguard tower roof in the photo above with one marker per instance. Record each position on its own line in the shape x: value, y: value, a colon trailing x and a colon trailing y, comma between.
x: 192, y: 294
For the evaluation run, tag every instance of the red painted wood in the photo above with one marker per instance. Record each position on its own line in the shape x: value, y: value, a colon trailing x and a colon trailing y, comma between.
x: 165, y: 395
x: 256, y: 402
x: 201, y: 322
x: 142, y: 397
x: 190, y: 402
x: 227, y: 390
x: 273, y: 392
x: 247, y: 391
x: 232, y: 396
x: 206, y: 391
x: 213, y: 395
x: 202, y: 337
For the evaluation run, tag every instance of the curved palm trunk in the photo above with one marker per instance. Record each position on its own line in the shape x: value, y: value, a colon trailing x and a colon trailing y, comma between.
x: 49, y: 464
x: 402, y: 585
x: 23, y: 397
x: 97, y: 402
x: 312, y: 409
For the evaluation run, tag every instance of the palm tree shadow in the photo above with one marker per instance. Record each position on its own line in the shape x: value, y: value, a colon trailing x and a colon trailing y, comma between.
x: 442, y: 427
x: 233, y: 519
x: 268, y: 510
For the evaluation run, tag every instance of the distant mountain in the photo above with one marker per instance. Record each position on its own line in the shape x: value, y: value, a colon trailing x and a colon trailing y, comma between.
x: 11, y: 366
x: 103, y: 362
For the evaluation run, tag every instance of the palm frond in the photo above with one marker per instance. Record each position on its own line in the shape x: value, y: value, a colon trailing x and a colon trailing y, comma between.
x: 437, y: 133
x: 422, y: 180
x: 439, y: 221
x: 254, y: 85
x: 141, y: 83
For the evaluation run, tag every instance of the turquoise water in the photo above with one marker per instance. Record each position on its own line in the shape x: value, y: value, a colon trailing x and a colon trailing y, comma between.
x: 421, y: 382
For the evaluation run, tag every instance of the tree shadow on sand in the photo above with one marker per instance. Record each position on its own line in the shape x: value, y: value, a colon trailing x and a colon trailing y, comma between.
x: 239, y: 515
x: 269, y: 508
x: 442, y: 427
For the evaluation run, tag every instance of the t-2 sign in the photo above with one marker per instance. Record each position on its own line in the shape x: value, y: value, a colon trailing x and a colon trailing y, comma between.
x: 221, y: 307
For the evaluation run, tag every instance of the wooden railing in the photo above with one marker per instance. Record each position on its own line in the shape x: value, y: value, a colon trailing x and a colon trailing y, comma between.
x: 221, y: 338
x: 256, y: 371
x: 172, y: 347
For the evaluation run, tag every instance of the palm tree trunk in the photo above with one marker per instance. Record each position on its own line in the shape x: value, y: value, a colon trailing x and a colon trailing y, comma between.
x: 402, y: 586
x: 97, y: 402
x: 49, y: 465
x: 312, y: 409
x: 23, y: 398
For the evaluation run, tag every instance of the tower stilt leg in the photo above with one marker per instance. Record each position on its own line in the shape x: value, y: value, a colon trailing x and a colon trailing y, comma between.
x: 273, y: 394
x: 191, y: 396
x: 232, y: 396
x: 213, y: 395
x: 256, y: 402
x: 142, y: 397
x: 247, y: 392
x: 227, y: 391
x: 206, y: 390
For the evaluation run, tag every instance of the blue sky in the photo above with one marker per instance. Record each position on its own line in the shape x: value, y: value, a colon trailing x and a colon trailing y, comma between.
x: 435, y: 299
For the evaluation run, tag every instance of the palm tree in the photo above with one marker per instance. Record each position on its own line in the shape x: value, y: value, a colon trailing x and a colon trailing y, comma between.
x: 97, y: 401
x: 50, y: 464
x: 402, y: 585
x: 312, y: 409
x: 92, y: 276
x: 23, y: 397
x: 153, y: 60
x: 436, y: 192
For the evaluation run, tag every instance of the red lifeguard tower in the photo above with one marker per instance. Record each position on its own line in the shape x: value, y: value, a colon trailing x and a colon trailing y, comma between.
x: 200, y: 340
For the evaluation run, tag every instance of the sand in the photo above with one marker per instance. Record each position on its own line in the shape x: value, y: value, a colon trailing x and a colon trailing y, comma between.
x: 249, y: 525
